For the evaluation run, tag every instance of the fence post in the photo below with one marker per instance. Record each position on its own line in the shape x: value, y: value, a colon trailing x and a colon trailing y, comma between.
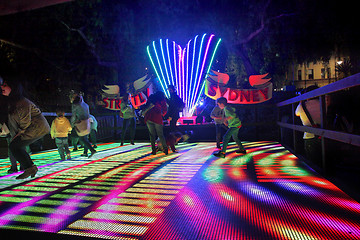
x: 115, y: 125
x: 322, y: 125
x: 280, y: 129
x: 293, y: 122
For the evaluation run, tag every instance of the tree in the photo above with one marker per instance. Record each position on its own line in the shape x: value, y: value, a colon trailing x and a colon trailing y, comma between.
x: 103, y: 41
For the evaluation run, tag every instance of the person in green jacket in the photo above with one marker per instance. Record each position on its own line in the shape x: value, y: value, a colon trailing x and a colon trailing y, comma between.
x: 129, y: 118
x: 234, y: 125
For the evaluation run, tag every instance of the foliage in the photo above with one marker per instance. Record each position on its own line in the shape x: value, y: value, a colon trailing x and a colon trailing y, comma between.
x: 344, y: 69
x: 84, y: 44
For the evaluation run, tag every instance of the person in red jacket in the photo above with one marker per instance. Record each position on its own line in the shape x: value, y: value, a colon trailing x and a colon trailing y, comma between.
x: 153, y: 118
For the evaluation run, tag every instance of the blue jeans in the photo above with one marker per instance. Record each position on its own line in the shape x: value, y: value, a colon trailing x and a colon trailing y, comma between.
x: 231, y: 132
x: 128, y: 122
x: 219, y: 132
x: 63, y: 146
x: 156, y: 129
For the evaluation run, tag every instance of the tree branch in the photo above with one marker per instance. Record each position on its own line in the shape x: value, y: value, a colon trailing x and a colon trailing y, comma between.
x: 37, y: 53
x: 263, y: 23
x: 91, y: 46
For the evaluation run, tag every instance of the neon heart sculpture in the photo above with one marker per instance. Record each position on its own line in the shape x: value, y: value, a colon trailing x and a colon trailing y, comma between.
x: 184, y: 67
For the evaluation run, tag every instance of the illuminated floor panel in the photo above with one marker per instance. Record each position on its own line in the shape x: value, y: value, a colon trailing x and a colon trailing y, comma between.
x: 127, y: 193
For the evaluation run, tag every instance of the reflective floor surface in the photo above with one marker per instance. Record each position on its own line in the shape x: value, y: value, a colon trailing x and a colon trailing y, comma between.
x: 127, y: 193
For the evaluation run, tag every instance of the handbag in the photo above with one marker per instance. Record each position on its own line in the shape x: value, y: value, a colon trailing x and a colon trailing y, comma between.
x: 308, y: 115
x: 82, y: 128
x: 4, y: 130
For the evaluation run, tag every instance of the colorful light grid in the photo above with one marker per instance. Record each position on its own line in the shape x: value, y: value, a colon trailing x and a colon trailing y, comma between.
x: 127, y: 193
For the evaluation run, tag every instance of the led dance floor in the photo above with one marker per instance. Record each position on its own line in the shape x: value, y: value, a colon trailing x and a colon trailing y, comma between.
x: 127, y: 193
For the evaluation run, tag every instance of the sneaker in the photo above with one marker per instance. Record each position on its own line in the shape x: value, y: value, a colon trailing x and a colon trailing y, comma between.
x: 91, y: 154
x: 84, y: 155
x: 241, y: 151
x: 75, y: 149
x: 68, y: 156
x: 219, y: 154
x: 218, y: 146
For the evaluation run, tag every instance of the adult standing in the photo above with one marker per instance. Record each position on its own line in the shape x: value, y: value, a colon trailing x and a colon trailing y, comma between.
x: 80, y: 120
x: 218, y: 115
x: 26, y: 125
x: 129, y: 119
x: 153, y: 118
x: 176, y: 105
x: 309, y: 113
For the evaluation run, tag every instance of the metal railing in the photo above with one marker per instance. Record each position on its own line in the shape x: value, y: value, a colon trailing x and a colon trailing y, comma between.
x: 348, y: 138
x: 307, y: 82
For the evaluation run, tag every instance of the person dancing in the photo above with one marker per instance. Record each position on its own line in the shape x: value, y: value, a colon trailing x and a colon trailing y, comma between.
x: 26, y: 124
x: 153, y: 118
x: 234, y: 125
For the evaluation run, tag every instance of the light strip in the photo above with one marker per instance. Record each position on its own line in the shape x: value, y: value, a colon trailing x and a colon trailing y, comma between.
x: 156, y: 72
x: 168, y: 56
x: 207, y: 72
x: 179, y: 69
x: 163, y: 79
x: 175, y: 65
x: 202, y: 69
x: 197, y: 72
x: 188, y: 83
x: 163, y: 57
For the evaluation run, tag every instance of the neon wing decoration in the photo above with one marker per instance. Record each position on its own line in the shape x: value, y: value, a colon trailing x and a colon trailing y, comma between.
x: 256, y: 80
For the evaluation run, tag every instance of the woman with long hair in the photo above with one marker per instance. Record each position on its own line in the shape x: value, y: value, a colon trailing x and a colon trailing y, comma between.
x: 26, y: 125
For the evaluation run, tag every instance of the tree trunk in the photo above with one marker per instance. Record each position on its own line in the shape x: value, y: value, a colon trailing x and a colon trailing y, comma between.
x: 242, y: 52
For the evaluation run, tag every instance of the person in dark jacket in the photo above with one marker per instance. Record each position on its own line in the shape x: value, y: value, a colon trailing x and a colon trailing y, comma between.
x: 176, y: 105
x: 80, y: 112
x: 4, y: 128
x: 26, y: 125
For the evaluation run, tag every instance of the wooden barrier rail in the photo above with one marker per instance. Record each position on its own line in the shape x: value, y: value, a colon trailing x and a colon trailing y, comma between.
x: 352, y: 139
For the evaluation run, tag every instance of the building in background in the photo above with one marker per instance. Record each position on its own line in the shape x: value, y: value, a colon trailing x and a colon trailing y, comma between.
x: 318, y: 73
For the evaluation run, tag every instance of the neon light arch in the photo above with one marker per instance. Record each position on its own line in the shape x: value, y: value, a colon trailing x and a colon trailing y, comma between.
x: 184, y: 67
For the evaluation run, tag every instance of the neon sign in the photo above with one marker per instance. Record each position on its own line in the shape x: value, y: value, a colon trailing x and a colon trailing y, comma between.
x: 184, y: 67
x: 215, y: 88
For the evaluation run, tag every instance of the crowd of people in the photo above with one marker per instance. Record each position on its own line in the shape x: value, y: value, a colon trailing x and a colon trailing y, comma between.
x: 22, y: 123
